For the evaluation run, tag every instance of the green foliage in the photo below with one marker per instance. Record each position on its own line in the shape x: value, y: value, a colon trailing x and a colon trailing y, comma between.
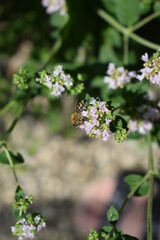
x: 85, y: 44
x: 119, y: 128
x: 19, y: 193
x: 133, y: 180
x: 156, y: 6
x: 129, y: 13
x: 109, y: 233
x: 112, y: 214
x: 21, y: 204
x: 16, y: 158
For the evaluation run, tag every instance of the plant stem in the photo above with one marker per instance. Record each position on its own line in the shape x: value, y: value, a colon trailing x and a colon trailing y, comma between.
x: 16, y: 119
x: 127, y: 31
x: 145, y: 21
x: 130, y: 194
x: 151, y: 189
x: 125, y: 49
x: 6, y: 108
x: 144, y: 42
x: 11, y: 164
x: 9, y: 130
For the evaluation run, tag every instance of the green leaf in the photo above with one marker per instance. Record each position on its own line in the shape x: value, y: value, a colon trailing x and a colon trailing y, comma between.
x: 146, y: 6
x: 137, y: 87
x: 58, y: 20
x: 127, y: 13
x: 156, y: 6
x: 16, y: 213
x: 109, y: 5
x: 19, y: 193
x: 107, y: 229
x: 112, y: 214
x: 118, y: 123
x: 98, y: 82
x: 133, y: 180
x: 16, y: 158
x: 159, y: 168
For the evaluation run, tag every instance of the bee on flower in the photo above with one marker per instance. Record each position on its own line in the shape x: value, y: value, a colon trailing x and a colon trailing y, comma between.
x: 94, y: 118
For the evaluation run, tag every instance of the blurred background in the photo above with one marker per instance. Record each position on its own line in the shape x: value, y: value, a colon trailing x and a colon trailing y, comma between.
x: 71, y: 177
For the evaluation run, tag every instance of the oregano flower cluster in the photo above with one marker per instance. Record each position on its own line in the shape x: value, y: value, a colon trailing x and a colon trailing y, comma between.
x: 151, y: 70
x: 58, y: 82
x: 140, y: 126
x: 26, y: 227
x: 117, y: 77
x: 27, y: 224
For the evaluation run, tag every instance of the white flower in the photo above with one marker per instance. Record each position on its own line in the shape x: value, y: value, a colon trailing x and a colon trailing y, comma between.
x: 48, y: 81
x: 111, y: 68
x: 57, y: 71
x: 55, y: 5
x: 145, y: 57
x: 106, y: 135
x: 117, y: 77
x: 151, y: 70
x: 142, y: 126
x: 41, y: 225
x: 57, y: 90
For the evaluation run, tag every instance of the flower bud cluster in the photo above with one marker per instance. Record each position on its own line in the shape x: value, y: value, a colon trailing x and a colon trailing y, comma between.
x: 21, y: 78
x: 120, y: 134
x: 26, y: 227
x: 23, y: 203
x: 93, y: 235
x: 140, y: 126
x: 57, y: 82
x: 54, y: 6
x: 117, y: 77
x: 96, y: 119
x: 151, y: 70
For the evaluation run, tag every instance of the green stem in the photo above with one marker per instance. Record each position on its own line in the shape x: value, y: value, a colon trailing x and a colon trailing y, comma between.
x: 11, y: 164
x: 144, y: 42
x: 127, y: 31
x: 145, y: 21
x: 19, y: 113
x: 6, y: 108
x: 111, y: 21
x: 151, y: 189
x: 125, y: 50
x: 130, y: 194
x: 13, y: 124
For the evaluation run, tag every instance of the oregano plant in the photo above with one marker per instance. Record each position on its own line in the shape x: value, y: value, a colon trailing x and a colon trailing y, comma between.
x: 117, y: 104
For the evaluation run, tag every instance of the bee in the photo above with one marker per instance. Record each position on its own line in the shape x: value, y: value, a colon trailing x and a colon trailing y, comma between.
x: 77, y: 118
